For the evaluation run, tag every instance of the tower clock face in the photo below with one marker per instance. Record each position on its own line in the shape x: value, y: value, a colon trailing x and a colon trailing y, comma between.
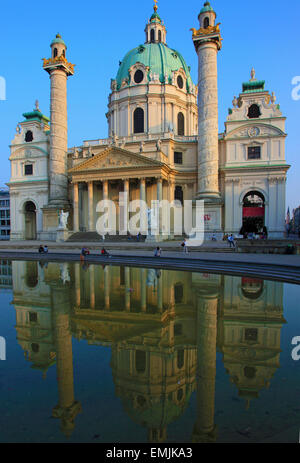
x: 253, y: 132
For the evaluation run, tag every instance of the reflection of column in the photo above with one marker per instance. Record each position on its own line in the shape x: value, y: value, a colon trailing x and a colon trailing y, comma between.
x: 67, y: 407
x: 92, y: 286
x: 204, y: 429
x: 107, y: 287
x: 77, y: 284
x: 91, y: 206
x: 75, y: 207
x: 127, y: 289
x: 143, y: 289
x: 160, y: 292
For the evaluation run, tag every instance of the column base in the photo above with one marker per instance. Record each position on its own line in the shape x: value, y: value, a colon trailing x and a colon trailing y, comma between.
x: 213, y: 208
x: 51, y: 216
x: 63, y: 235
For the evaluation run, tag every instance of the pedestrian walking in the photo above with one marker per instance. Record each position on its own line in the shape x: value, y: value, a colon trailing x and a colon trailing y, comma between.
x: 184, y: 247
x: 157, y: 252
x: 231, y: 241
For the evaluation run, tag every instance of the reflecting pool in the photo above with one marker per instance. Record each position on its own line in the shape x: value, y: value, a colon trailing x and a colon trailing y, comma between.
x: 120, y: 354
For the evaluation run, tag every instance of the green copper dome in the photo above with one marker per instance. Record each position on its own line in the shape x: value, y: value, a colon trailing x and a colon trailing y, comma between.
x: 155, y: 18
x: 207, y: 7
x: 159, y: 58
x: 57, y: 39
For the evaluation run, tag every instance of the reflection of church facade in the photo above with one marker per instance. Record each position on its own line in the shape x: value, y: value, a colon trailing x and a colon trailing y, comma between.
x: 163, y: 144
x: 164, y: 330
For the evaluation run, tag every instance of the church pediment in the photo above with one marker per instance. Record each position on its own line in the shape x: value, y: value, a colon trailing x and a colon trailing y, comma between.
x: 255, y: 131
x: 114, y: 158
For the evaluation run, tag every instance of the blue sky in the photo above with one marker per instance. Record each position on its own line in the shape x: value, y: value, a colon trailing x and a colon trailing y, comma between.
x: 99, y: 34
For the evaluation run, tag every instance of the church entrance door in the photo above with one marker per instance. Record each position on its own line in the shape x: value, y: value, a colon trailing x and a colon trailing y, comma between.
x: 30, y: 221
x: 253, y: 212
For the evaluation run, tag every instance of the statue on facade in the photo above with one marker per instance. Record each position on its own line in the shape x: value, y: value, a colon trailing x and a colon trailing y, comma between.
x: 63, y: 220
x: 152, y: 222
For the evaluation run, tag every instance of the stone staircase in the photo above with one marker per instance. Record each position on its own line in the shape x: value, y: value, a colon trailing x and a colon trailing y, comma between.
x: 94, y: 237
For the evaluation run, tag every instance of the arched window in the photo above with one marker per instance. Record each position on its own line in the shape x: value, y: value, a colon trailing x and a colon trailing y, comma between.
x: 152, y: 36
x: 178, y: 293
x: 179, y: 194
x: 64, y: 53
x: 180, y: 124
x: 140, y: 361
x: 138, y: 120
x: 32, y: 275
x: 55, y: 53
x: 159, y: 36
x: 28, y: 136
x: 35, y: 348
x: 206, y: 23
x: 180, y: 359
x: 254, y: 112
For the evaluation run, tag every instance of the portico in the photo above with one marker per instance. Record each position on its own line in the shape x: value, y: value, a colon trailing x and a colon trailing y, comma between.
x: 116, y: 171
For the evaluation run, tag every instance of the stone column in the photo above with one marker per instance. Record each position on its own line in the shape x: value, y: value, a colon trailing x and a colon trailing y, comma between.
x: 143, y: 197
x: 91, y: 206
x: 159, y: 198
x: 143, y: 189
x: 58, y: 138
x: 105, y: 189
x: 208, y: 151
x: 171, y: 191
x: 207, y: 44
x: 125, y: 219
x: 76, y: 207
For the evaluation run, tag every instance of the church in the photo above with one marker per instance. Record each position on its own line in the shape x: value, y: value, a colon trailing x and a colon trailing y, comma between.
x: 163, y: 144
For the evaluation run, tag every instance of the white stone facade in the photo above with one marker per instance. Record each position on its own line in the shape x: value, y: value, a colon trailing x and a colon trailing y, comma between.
x: 161, y: 155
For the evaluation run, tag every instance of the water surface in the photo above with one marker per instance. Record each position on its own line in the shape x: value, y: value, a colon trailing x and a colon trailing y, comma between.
x: 117, y: 354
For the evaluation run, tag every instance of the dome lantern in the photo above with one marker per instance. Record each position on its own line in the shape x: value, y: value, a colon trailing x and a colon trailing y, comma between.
x: 207, y: 16
x: 155, y: 29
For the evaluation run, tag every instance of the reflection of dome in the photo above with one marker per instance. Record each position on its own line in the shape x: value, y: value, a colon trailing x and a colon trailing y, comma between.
x: 159, y: 58
x: 157, y: 414
x: 252, y: 288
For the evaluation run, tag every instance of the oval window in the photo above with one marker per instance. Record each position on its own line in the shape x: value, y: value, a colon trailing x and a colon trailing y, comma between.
x: 180, y: 82
x: 138, y: 76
